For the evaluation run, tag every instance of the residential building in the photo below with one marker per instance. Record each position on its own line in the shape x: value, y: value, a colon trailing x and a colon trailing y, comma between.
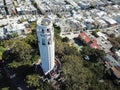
x: 26, y: 8
x: 110, y: 21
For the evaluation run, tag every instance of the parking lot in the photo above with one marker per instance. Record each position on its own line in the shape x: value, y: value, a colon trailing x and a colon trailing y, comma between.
x: 104, y: 44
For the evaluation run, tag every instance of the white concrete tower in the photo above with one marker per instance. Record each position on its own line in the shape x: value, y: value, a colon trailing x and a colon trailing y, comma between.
x: 45, y: 34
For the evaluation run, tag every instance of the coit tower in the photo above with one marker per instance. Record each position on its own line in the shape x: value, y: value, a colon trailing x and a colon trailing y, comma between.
x: 45, y: 34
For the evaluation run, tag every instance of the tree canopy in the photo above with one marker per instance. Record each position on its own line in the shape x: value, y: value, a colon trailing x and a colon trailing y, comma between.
x: 21, y: 51
x: 1, y: 52
x: 115, y: 42
x: 65, y: 39
x: 94, y: 54
x: 33, y: 80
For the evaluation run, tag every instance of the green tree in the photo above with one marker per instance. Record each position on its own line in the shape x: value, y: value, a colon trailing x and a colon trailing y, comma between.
x: 31, y: 40
x: 33, y: 80
x: 21, y: 51
x: 33, y: 25
x: 87, y: 51
x: 1, y: 52
x: 112, y: 35
x: 95, y: 33
x: 70, y: 50
x: 94, y: 54
x: 99, y: 53
x: 74, y: 73
x: 13, y: 35
x: 65, y: 39
x: 59, y: 47
x: 115, y: 42
x: 57, y: 29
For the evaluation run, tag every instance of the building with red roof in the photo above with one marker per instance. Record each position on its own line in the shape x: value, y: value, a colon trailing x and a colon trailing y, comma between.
x: 84, y: 38
x: 88, y: 41
x: 95, y: 45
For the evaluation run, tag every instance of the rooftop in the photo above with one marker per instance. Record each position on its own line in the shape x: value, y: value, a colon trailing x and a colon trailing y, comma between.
x: 89, y: 41
x: 109, y: 20
x: 84, y: 37
x: 45, y: 22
